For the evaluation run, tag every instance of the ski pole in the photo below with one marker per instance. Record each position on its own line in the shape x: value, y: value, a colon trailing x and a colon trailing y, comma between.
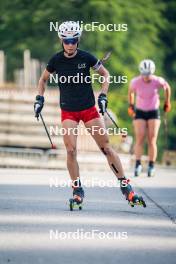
x: 53, y: 146
x: 165, y: 129
x: 103, y: 60
x: 106, y: 57
x: 113, y: 121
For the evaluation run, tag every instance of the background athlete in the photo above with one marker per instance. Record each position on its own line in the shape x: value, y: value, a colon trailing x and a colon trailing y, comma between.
x: 77, y: 103
x: 146, y: 113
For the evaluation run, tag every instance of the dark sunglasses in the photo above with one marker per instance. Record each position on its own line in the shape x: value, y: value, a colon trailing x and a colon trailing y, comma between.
x: 72, y: 41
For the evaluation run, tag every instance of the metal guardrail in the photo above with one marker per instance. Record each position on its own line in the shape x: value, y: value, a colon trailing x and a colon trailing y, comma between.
x: 28, y: 152
x: 49, y: 159
x: 20, y: 151
x: 30, y: 158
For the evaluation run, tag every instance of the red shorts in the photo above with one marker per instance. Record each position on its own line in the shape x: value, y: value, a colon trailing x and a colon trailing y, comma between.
x: 84, y: 115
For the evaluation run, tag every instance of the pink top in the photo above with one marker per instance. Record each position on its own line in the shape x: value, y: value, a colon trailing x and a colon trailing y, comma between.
x: 147, y: 93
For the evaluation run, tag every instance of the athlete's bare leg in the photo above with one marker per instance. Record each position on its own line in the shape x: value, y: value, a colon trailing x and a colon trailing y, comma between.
x: 140, y: 127
x: 70, y: 141
x: 113, y: 159
x: 103, y: 143
x: 152, y: 134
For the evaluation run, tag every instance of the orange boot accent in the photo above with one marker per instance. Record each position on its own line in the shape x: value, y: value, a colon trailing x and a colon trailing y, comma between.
x: 77, y: 198
x: 130, y: 196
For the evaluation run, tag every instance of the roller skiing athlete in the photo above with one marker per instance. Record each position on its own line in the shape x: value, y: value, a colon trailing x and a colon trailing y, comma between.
x: 146, y: 114
x: 77, y: 102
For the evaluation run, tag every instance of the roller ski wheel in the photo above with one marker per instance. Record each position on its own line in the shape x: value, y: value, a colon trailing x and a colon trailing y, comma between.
x: 77, y: 200
x: 74, y: 205
x: 137, y: 200
x: 151, y: 172
x: 132, y: 198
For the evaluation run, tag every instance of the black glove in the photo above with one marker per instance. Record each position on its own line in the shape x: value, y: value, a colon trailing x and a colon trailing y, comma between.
x: 102, y: 103
x: 38, y: 105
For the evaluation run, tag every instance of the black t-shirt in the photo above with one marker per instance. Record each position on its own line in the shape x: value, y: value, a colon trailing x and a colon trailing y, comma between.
x: 74, y: 96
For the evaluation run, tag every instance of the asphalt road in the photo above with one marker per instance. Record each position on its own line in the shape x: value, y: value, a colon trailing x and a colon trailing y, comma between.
x: 36, y: 225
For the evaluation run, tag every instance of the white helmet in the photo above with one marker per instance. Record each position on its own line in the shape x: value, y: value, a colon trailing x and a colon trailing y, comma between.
x: 147, y: 67
x: 69, y: 29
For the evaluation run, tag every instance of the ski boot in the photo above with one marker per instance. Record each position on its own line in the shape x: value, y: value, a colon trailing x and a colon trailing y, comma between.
x: 132, y: 198
x: 138, y: 170
x: 151, y: 171
x: 77, y: 200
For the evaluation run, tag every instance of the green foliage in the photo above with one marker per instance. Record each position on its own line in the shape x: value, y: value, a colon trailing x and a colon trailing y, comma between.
x: 25, y: 24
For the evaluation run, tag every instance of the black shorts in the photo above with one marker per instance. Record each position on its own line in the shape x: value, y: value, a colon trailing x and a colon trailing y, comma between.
x: 146, y: 115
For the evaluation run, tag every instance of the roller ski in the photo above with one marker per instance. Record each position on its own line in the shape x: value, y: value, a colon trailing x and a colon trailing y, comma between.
x: 138, y: 170
x: 132, y: 198
x: 151, y: 171
x: 77, y: 201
